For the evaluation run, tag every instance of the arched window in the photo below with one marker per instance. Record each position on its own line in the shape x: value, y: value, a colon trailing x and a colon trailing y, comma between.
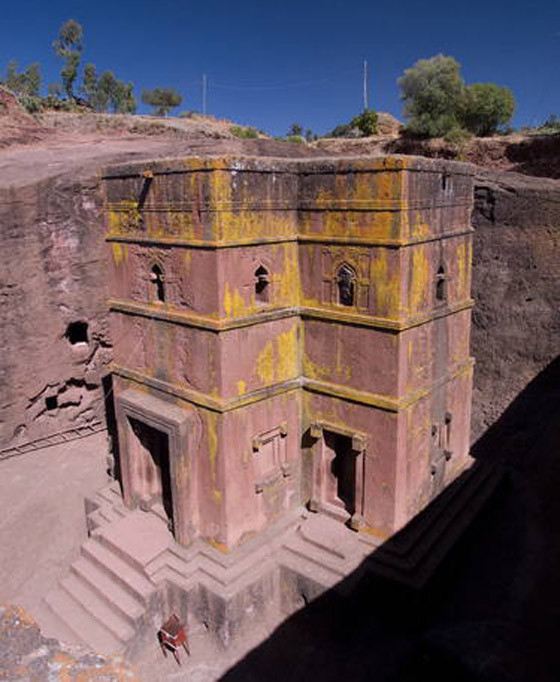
x: 157, y: 278
x: 346, y: 282
x: 441, y: 284
x: 262, y: 288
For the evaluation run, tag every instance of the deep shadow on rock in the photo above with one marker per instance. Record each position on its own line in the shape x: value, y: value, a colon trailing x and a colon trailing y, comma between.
x: 490, y: 610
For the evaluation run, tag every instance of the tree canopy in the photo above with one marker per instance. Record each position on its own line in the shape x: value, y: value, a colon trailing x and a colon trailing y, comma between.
x: 25, y: 83
x: 437, y: 100
x: 107, y: 93
x: 162, y: 99
x: 69, y: 46
x: 485, y: 107
x: 431, y: 91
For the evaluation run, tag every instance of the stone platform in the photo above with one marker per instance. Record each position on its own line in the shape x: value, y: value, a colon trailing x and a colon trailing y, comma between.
x: 131, y: 573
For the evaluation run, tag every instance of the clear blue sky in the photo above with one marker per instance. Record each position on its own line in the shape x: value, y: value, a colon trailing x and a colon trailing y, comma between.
x: 270, y: 63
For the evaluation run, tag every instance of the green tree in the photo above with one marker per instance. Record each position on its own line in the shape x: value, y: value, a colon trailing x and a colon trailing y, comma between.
x: 365, y: 122
x: 27, y: 82
x: 295, y: 130
x: 89, y: 83
x: 32, y: 76
x: 113, y: 94
x: 485, y: 108
x: 107, y: 93
x: 69, y: 46
x: 14, y: 81
x: 432, y: 90
x: 162, y: 99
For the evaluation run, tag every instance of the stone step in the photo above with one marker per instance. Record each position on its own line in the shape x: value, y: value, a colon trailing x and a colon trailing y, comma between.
x: 111, y: 493
x: 102, y: 516
x: 96, y: 607
x: 318, y: 574
x: 94, y: 522
x: 158, y: 509
x: 138, y: 538
x: 203, y: 563
x: 83, y: 625
x: 107, y: 588
x: 312, y: 554
x: 450, y: 501
x: 441, y: 528
x: 116, y: 567
x: 52, y: 625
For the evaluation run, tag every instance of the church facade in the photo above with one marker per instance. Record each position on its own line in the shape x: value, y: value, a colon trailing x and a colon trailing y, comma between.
x: 287, y: 334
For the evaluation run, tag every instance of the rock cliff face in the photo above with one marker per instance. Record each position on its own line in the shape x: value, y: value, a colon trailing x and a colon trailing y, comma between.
x: 516, y: 273
x: 53, y: 329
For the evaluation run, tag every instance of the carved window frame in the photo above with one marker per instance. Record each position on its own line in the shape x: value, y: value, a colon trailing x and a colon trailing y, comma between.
x: 281, y: 467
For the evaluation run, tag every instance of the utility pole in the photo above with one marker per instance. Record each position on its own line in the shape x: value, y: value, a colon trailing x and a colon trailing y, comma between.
x: 365, y: 87
x: 204, y: 94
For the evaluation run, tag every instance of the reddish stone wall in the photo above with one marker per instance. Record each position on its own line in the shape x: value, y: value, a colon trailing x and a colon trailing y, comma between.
x: 53, y: 275
x: 516, y: 321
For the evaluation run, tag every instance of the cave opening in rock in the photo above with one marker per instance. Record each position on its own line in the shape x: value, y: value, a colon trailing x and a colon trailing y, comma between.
x: 77, y: 332
x: 51, y: 402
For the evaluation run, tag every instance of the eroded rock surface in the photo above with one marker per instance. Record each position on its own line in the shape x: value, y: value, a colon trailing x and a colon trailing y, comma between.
x: 516, y: 319
x: 53, y: 325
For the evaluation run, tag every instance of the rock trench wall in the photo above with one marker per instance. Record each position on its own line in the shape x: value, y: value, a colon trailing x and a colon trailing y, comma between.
x: 53, y: 276
x: 516, y: 273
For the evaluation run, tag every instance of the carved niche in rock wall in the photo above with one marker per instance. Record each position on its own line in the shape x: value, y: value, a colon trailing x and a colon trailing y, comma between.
x: 346, y: 276
x: 272, y: 471
x: 270, y: 457
x: 440, y: 452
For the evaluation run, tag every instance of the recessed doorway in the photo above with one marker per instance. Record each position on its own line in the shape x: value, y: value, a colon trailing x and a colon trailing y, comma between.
x: 340, y: 471
x: 154, y: 471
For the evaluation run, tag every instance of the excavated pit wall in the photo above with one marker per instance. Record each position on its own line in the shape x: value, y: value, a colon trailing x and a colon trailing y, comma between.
x: 54, y: 274
x: 53, y: 319
x: 516, y: 272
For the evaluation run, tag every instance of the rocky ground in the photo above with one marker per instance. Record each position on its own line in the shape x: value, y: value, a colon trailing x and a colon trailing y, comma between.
x: 27, y: 656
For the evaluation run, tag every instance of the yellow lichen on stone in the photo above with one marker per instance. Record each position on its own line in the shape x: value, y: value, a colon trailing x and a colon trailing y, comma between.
x: 386, y: 285
x: 288, y: 288
x: 419, y: 282
x: 118, y: 252
x: 211, y: 425
x: 287, y: 349
x: 265, y: 364
x: 228, y: 303
x: 463, y: 258
x: 278, y: 361
x: 241, y: 387
x: 419, y: 228
x: 313, y: 370
x: 235, y: 305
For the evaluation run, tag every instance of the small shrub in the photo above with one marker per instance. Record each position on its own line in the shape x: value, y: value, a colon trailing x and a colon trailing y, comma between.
x: 31, y: 103
x: 244, y: 133
x: 344, y: 130
x: 457, y: 136
x: 297, y: 139
x: 366, y: 123
x: 187, y: 114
